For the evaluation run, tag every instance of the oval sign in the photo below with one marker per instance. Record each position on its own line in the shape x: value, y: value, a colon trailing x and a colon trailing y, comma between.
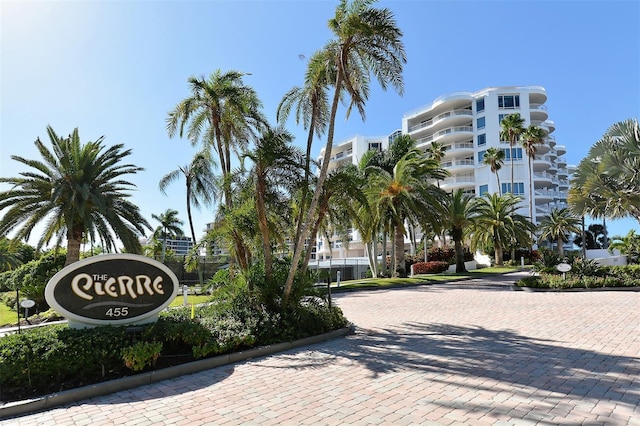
x: 563, y: 267
x: 27, y: 303
x: 115, y: 289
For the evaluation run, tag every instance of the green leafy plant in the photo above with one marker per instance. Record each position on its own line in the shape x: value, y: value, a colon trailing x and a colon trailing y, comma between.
x: 141, y: 355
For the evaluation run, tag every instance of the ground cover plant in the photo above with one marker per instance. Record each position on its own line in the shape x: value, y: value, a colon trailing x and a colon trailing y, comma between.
x: 583, y: 274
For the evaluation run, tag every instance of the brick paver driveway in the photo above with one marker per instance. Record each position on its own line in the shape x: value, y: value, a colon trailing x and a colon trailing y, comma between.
x: 462, y: 353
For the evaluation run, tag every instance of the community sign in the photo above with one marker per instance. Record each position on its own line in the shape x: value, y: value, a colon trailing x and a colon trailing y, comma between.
x: 112, y: 289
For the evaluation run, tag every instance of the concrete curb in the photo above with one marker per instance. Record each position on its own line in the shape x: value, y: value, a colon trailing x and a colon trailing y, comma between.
x: 46, y: 402
x: 571, y: 290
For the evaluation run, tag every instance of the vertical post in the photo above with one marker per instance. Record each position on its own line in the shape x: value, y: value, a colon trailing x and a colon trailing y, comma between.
x: 18, y: 306
x: 329, y: 289
x: 584, y: 241
x: 338, y: 277
x: 184, y: 294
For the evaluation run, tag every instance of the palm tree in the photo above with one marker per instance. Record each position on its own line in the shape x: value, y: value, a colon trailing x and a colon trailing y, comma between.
x: 9, y: 257
x: 312, y: 108
x: 606, y: 183
x: 458, y: 218
x: 531, y: 138
x: 200, y: 184
x: 628, y: 245
x: 277, y: 166
x: 77, y: 190
x: 406, y: 193
x: 494, y: 158
x: 511, y: 127
x: 558, y: 225
x: 224, y: 114
x: 367, y: 40
x: 497, y: 223
x: 170, y: 226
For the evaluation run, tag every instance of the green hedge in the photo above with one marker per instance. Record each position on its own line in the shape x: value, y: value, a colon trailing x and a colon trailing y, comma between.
x: 600, y: 277
x: 54, y: 358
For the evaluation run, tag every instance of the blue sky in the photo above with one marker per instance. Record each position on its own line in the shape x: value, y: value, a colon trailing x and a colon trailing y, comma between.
x: 115, y: 68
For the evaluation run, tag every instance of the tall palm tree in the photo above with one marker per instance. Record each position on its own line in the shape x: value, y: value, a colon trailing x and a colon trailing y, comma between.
x: 558, y: 225
x: 436, y: 151
x: 78, y: 190
x: 170, y: 226
x: 458, y: 217
x: 277, y: 167
x: 406, y: 193
x: 340, y: 204
x: 511, y: 127
x: 224, y: 114
x: 531, y: 138
x: 497, y: 224
x: 200, y: 184
x: 312, y: 109
x: 367, y: 40
x: 494, y: 158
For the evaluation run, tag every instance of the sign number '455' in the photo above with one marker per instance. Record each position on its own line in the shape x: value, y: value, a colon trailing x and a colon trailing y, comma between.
x: 117, y: 312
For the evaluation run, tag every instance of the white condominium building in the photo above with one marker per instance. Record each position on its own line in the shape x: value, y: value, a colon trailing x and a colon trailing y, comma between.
x: 466, y: 124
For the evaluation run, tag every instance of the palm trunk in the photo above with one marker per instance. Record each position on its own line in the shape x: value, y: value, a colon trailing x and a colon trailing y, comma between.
x: 457, y: 245
x: 561, y: 245
x: 498, y: 255
x: 307, y: 173
x: 264, y: 226
x: 316, y: 196
x: 499, y: 188
x: 74, y: 240
x: 384, y: 253
x: 193, y: 235
x: 511, y: 145
x: 400, y: 269
x: 314, y: 232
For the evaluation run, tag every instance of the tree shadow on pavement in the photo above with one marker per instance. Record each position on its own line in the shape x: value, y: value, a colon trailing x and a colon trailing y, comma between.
x: 501, y: 355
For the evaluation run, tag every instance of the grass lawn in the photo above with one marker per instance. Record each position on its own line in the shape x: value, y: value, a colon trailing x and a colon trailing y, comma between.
x: 422, y: 279
x: 191, y: 298
x: 8, y: 315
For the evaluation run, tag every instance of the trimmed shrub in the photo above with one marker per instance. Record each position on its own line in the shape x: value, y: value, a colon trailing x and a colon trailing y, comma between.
x: 434, y: 267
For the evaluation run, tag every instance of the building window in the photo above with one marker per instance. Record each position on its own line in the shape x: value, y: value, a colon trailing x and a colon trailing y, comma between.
x: 509, y: 101
x: 480, y: 105
x: 483, y: 190
x: 480, y: 123
x: 516, y: 152
x: 481, y: 156
x: 375, y: 146
x: 517, y: 186
x: 482, y: 139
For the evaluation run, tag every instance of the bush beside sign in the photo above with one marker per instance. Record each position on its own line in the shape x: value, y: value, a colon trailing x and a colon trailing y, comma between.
x: 116, y: 289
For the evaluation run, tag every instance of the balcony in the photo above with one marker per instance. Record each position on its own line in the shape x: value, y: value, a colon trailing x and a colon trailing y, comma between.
x: 458, y: 164
x: 461, y: 148
x: 538, y: 112
x: 551, y: 140
x: 463, y: 113
x: 341, y: 155
x: 561, y: 149
x: 544, y: 179
x: 446, y: 135
x: 466, y: 181
x: 561, y: 161
x: 543, y: 196
x: 541, y: 163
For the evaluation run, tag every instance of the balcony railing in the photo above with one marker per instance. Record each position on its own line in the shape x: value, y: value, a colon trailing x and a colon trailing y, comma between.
x: 541, y: 107
x: 439, y: 117
x: 443, y: 132
x: 455, y: 163
x: 342, y: 154
x: 460, y: 179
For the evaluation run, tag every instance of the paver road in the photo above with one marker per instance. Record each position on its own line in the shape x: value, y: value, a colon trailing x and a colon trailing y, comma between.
x: 469, y: 353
